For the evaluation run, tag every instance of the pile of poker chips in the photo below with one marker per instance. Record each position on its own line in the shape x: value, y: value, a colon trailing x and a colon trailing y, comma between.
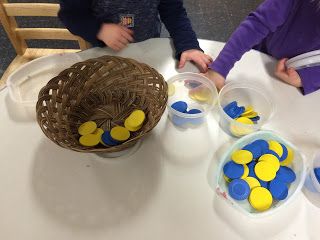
x: 241, y: 114
x: 260, y: 172
x: 182, y: 107
x: 91, y: 135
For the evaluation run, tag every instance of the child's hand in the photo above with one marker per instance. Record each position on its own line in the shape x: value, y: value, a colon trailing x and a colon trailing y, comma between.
x: 289, y: 76
x: 115, y: 36
x: 199, y: 58
x: 217, y: 78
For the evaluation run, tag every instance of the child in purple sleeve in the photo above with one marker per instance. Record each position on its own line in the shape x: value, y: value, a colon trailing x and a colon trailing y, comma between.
x: 282, y: 29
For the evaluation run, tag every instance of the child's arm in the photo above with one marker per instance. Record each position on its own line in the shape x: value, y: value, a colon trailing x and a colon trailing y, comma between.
x: 78, y: 18
x: 266, y: 19
x: 174, y: 17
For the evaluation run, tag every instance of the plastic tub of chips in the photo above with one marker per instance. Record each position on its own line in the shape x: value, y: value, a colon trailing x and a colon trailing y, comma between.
x: 312, y: 183
x: 244, y: 107
x: 296, y: 164
x: 191, y: 97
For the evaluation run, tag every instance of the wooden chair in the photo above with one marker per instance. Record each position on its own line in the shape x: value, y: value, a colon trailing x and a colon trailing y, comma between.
x: 17, y: 36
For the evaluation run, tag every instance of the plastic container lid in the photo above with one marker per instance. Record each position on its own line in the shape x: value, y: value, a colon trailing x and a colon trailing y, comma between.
x: 25, y: 82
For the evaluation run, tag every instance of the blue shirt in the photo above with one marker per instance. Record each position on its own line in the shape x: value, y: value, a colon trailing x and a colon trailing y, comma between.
x: 84, y: 18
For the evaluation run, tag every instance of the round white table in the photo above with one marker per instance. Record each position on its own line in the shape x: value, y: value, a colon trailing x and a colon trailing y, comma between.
x: 165, y: 190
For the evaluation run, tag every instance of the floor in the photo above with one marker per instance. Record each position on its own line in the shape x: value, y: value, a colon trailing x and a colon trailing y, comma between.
x: 211, y: 19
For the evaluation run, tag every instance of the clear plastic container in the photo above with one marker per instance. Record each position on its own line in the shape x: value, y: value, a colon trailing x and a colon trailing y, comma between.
x: 246, y: 94
x: 312, y: 185
x: 25, y: 83
x: 197, y: 91
x: 298, y: 166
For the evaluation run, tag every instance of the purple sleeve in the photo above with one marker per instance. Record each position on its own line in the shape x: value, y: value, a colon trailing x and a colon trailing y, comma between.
x: 310, y: 78
x: 266, y: 19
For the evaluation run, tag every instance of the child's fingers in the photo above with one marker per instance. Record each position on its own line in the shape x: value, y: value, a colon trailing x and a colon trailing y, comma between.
x: 183, y: 60
x: 202, y: 64
x: 114, y: 47
x: 294, y: 77
x: 210, y: 59
x: 123, y: 40
x: 129, y: 31
x: 281, y: 66
x: 127, y: 36
x: 206, y: 59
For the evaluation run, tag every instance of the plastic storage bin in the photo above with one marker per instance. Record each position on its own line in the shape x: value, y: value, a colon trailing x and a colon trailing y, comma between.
x: 246, y: 94
x: 312, y: 184
x: 298, y: 166
x: 25, y: 83
x: 195, y: 90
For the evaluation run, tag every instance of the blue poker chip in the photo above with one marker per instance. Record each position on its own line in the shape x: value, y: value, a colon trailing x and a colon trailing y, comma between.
x: 180, y: 106
x: 278, y: 189
x: 233, y: 111
x: 108, y: 140
x: 286, y: 175
x: 263, y: 183
x: 194, y: 111
x: 284, y: 154
x: 229, y: 106
x: 317, y: 173
x: 239, y: 189
x: 233, y: 170
x: 236, y: 112
x: 264, y: 145
x: 255, y: 119
x: 251, y: 166
x: 255, y: 149
x: 272, y: 152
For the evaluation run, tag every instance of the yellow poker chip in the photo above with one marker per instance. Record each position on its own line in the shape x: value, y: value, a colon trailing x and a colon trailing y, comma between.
x: 131, y: 129
x: 245, y: 172
x: 242, y: 156
x: 136, y: 118
x: 98, y: 132
x: 247, y: 110
x: 120, y: 133
x: 171, y: 89
x: 289, y: 158
x: 89, y: 140
x: 273, y: 160
x: 253, y: 182
x: 191, y: 95
x: 260, y: 199
x: 250, y: 115
x: 241, y: 130
x: 202, y: 94
x: 87, y: 128
x: 228, y: 180
x: 244, y: 120
x: 265, y: 171
x: 276, y: 147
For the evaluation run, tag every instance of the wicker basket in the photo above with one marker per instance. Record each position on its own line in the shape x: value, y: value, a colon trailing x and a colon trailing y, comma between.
x: 105, y: 90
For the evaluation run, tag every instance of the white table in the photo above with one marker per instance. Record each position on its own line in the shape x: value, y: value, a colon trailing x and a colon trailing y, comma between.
x: 164, y: 190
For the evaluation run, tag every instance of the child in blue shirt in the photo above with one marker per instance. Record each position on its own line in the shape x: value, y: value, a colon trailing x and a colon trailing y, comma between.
x: 118, y: 23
